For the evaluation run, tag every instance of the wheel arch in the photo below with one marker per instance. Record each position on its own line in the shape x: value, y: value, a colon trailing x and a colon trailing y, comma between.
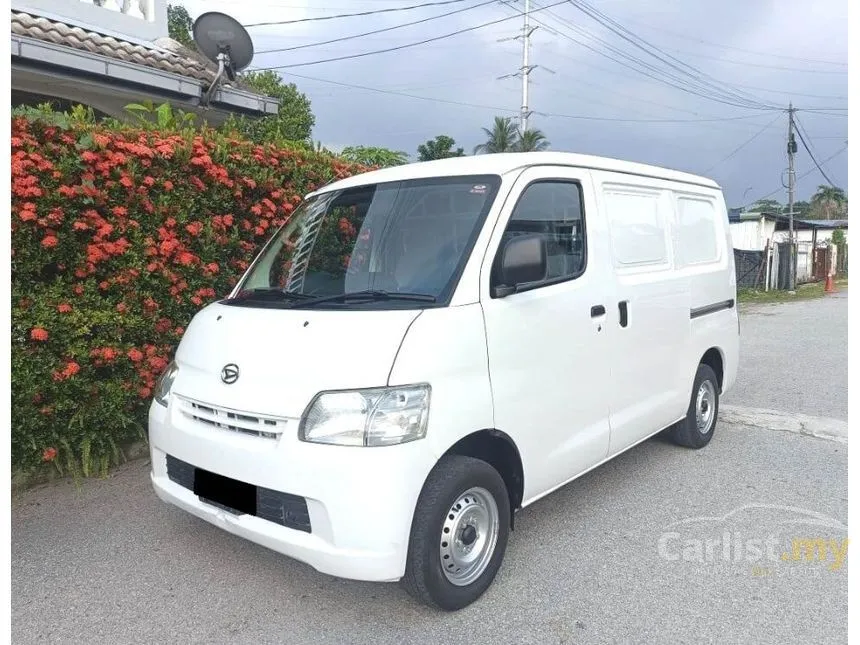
x: 499, y: 450
x: 714, y: 359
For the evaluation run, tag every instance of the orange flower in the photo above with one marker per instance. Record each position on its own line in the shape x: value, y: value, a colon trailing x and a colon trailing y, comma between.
x: 168, y: 185
x: 49, y: 454
x: 121, y: 307
x: 64, y: 308
x: 39, y: 334
x: 50, y: 241
x: 135, y: 355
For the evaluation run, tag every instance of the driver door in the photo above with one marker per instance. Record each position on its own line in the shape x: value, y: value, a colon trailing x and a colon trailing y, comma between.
x: 547, y: 343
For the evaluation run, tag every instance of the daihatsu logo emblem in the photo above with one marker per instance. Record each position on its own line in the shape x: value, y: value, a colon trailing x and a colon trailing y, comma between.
x: 230, y: 373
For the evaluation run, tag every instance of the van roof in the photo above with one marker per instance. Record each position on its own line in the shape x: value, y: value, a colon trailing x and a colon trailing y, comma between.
x: 501, y: 163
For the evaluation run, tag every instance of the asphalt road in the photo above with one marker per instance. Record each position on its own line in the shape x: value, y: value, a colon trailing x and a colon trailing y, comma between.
x: 793, y: 357
x: 633, y: 552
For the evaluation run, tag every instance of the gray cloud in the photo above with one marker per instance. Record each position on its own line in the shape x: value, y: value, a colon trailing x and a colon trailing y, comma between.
x: 464, y: 69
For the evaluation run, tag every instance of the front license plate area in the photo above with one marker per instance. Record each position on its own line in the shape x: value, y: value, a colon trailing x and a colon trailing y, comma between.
x: 227, y: 493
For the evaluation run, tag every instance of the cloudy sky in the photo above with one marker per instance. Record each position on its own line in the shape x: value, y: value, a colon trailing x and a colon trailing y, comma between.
x: 593, y: 92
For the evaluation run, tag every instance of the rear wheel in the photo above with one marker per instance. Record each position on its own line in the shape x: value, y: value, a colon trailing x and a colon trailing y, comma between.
x: 459, y: 533
x: 697, y: 428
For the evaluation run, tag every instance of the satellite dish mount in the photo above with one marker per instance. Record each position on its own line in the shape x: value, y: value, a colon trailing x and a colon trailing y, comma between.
x: 225, y: 42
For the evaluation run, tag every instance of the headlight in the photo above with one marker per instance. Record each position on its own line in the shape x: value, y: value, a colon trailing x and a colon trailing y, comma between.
x: 165, y: 382
x: 373, y: 417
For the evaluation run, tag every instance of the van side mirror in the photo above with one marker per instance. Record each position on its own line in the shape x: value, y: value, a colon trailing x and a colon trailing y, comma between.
x: 523, y: 261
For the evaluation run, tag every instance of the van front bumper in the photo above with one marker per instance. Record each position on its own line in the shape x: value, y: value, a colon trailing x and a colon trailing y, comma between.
x: 360, y: 501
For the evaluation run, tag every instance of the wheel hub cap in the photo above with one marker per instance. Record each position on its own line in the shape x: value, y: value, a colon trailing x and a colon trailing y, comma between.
x: 705, y: 400
x: 469, y: 534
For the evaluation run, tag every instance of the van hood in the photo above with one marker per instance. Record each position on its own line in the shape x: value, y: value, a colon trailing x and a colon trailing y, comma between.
x: 285, y: 357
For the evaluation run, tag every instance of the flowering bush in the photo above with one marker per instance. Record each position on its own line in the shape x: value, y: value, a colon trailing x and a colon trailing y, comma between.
x: 119, y: 235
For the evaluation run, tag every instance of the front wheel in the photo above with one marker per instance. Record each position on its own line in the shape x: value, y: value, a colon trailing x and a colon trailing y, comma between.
x: 459, y: 533
x: 697, y: 428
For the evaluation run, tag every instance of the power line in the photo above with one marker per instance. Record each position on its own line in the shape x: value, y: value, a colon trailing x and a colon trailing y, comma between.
x: 375, y: 31
x: 611, y: 90
x: 399, y: 47
x: 801, y: 176
x: 509, y: 110
x: 793, y: 93
x: 369, y: 12
x: 650, y: 71
x: 762, y: 65
x: 812, y: 156
x: 667, y: 59
x: 743, y: 145
x: 739, y: 49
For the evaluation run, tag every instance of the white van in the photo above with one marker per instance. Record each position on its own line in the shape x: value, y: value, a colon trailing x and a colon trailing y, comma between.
x: 423, y: 350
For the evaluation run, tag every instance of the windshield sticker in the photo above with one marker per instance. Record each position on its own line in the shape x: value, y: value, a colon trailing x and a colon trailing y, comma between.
x: 479, y: 189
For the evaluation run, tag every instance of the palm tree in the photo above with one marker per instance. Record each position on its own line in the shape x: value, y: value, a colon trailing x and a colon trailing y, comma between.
x: 829, y: 201
x: 503, y: 137
x: 532, y: 141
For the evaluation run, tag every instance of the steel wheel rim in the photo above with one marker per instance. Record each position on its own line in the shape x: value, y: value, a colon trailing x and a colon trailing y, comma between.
x: 706, y: 400
x: 469, y: 535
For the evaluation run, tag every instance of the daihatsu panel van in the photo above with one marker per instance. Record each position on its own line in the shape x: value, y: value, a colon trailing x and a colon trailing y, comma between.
x: 423, y: 350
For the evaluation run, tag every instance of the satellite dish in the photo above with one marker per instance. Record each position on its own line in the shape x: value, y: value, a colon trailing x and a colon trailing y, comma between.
x: 223, y: 41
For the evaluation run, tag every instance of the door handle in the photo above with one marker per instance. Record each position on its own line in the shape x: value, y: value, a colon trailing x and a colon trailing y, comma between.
x: 622, y: 313
x: 598, y: 310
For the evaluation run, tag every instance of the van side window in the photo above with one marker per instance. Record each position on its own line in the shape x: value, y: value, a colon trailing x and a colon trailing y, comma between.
x: 636, y: 227
x: 697, y: 232
x: 553, y: 210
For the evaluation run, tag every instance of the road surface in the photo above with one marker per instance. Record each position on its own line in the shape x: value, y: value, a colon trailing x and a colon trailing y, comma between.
x: 635, y: 551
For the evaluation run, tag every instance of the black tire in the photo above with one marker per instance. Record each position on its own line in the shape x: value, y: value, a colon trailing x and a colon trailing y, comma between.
x: 686, y: 432
x: 424, y: 578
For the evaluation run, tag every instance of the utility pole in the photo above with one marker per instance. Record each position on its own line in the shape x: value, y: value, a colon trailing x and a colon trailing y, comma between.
x: 527, y: 67
x: 792, y: 150
x: 525, y: 70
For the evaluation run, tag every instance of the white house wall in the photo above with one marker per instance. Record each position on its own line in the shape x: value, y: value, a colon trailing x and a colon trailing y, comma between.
x: 746, y: 236
x: 136, y: 20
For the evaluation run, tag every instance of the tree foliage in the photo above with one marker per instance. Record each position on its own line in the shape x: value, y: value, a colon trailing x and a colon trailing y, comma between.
x: 532, y: 141
x: 829, y: 202
x: 120, y: 233
x: 179, y: 25
x: 501, y: 137
x: 294, y: 120
x: 766, y: 206
x: 504, y: 136
x: 438, y: 148
x: 374, y: 156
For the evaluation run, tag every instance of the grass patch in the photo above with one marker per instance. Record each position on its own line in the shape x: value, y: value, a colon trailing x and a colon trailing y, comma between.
x: 803, y: 292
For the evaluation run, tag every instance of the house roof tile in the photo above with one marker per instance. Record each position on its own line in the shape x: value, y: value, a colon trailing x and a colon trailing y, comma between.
x: 178, y: 59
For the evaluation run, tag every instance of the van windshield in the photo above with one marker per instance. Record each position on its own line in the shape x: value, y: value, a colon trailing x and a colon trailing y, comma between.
x: 387, y: 245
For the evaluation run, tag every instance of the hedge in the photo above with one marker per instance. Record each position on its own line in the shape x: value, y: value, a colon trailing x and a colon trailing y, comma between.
x: 119, y: 235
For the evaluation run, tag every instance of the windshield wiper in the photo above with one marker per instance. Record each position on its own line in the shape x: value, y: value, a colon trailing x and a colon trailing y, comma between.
x: 275, y: 293
x: 367, y: 295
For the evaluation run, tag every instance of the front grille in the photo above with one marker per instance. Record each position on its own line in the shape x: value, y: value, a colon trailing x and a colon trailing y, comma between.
x: 247, y: 423
x: 285, y: 509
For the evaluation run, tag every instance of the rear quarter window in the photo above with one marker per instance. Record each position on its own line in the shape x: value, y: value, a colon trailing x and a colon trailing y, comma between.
x: 697, y: 231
